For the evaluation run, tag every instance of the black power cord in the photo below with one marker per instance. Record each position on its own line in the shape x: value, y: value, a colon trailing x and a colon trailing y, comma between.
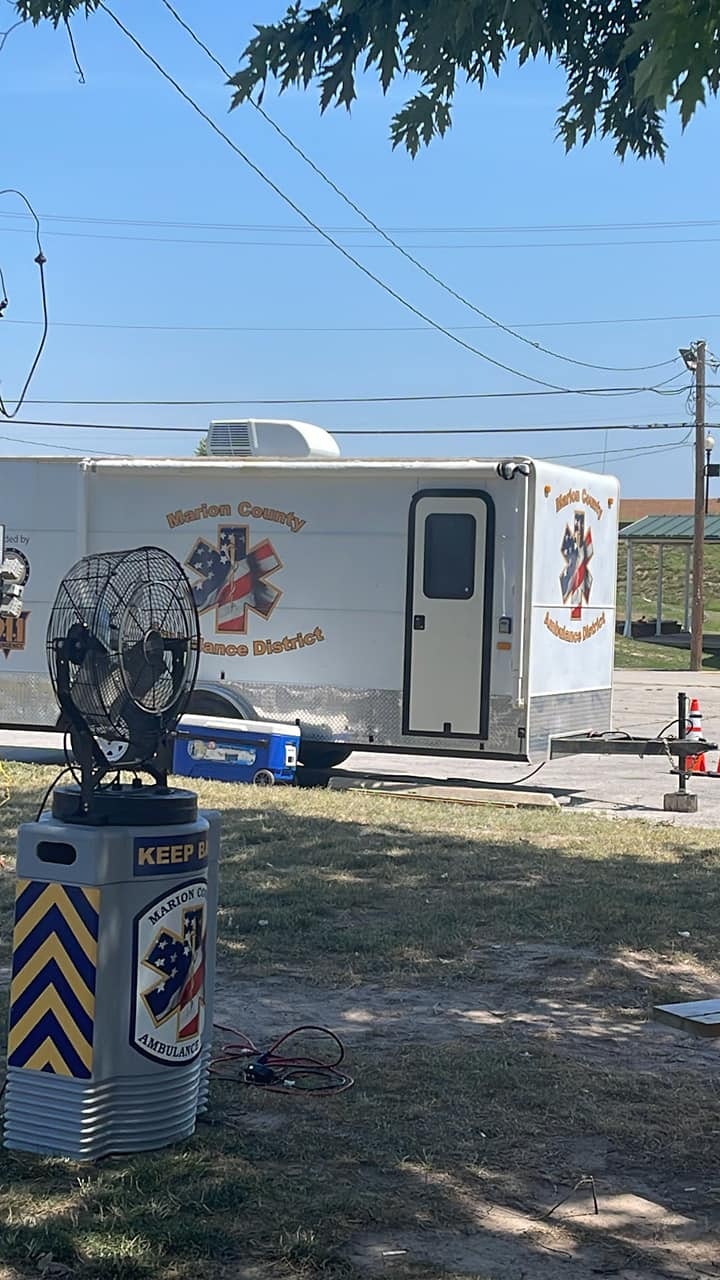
x: 280, y: 1072
x: 52, y: 786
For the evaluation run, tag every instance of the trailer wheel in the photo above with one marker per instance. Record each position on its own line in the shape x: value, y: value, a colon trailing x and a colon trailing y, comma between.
x: 320, y: 755
x: 264, y: 778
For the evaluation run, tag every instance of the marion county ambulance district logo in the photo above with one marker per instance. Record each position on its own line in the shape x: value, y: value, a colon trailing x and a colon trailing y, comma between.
x: 170, y: 945
x: 13, y: 631
x: 576, y: 580
x: 234, y: 575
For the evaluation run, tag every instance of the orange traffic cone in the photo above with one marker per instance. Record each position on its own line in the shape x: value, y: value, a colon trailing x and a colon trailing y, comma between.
x: 698, y: 763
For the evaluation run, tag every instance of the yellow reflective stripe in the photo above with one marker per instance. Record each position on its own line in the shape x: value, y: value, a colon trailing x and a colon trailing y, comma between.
x: 48, y: 1055
x: 53, y: 949
x: 50, y: 1002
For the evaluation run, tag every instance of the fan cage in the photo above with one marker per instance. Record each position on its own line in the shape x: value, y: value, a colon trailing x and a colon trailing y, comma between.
x: 130, y: 617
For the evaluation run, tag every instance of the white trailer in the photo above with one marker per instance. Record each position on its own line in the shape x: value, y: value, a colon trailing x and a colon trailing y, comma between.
x: 464, y: 607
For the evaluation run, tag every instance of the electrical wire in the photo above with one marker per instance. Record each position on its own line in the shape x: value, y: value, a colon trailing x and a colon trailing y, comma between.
x: 369, y: 431
x: 660, y: 390
x: 289, y: 228
x: 73, y: 50
x: 516, y: 782
x: 314, y: 244
x: 371, y: 275
x: 621, y: 454
x: 52, y: 786
x: 5, y: 34
x: 282, y: 1073
x: 414, y: 328
x: 76, y: 777
x: 40, y: 259
x: 61, y: 448
x: 395, y: 244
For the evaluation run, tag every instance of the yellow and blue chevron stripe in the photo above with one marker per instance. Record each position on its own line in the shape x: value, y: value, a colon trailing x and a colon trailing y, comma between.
x: 52, y: 994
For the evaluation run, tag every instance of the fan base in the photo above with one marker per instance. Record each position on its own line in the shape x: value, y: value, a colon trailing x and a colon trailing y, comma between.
x: 126, y: 806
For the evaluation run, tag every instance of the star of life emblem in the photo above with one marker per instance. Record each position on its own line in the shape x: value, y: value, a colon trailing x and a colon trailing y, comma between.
x: 233, y: 577
x: 170, y: 947
x: 576, y: 579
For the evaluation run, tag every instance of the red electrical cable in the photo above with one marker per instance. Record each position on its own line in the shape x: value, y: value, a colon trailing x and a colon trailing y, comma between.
x: 283, y: 1073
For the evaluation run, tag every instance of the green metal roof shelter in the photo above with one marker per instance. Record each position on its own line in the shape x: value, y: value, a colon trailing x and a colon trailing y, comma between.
x: 661, y: 532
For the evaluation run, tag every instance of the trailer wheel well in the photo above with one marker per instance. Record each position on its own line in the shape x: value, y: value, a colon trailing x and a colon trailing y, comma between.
x: 203, y: 702
x: 322, y: 755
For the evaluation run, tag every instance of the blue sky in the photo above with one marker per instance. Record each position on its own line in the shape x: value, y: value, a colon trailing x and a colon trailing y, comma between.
x: 260, y: 309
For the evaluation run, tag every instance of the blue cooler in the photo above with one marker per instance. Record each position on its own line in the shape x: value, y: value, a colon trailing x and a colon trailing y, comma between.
x: 236, y: 750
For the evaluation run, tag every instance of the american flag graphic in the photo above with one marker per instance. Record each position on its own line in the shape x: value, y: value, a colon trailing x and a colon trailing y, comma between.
x: 234, y: 576
x: 179, y: 964
x: 576, y: 578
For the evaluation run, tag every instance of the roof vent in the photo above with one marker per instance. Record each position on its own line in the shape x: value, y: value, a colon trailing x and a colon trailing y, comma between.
x: 270, y: 438
x: 231, y: 438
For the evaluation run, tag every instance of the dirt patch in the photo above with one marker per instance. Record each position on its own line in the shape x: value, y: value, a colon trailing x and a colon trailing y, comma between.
x: 631, y: 1236
x: 578, y: 1002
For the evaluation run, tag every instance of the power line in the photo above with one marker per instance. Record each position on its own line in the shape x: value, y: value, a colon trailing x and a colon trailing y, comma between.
x: 46, y: 444
x: 40, y: 260
x: 288, y: 228
x: 314, y: 244
x: 619, y: 455
x: 415, y: 328
x: 622, y: 454
x: 394, y: 399
x: 421, y: 315
x: 395, y: 244
x: 381, y: 432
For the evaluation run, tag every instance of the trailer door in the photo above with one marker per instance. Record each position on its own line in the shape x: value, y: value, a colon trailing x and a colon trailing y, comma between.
x: 448, y: 614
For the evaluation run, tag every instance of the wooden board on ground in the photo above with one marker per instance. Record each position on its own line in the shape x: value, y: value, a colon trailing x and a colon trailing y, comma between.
x: 439, y: 794
x: 699, y: 1017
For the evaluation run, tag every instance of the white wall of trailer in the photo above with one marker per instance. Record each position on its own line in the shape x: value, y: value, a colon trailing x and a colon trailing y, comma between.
x: 323, y: 634
x: 343, y: 559
x: 42, y: 502
x: 572, y: 633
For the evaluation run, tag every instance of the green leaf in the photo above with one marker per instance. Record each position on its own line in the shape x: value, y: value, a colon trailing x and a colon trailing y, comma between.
x: 625, y: 61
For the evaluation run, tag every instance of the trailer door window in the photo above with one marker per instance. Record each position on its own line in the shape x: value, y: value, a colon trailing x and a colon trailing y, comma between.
x: 449, y: 560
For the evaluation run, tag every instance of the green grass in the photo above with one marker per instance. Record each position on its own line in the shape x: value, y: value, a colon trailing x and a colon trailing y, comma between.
x: 648, y: 656
x: 637, y: 653
x: 360, y: 892
x: 645, y: 583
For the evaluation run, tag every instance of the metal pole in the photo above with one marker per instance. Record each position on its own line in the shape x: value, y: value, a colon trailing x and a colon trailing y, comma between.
x: 707, y: 480
x: 698, y: 603
x: 686, y: 614
x: 627, y: 629
x: 659, y: 609
x: 682, y: 726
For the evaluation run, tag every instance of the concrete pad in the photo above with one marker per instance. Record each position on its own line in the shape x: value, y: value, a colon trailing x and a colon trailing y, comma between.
x: 31, y: 748
x: 644, y: 703
x: 471, y: 794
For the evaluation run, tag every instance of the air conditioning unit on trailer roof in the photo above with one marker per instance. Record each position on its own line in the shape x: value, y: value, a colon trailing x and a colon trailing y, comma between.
x: 269, y: 438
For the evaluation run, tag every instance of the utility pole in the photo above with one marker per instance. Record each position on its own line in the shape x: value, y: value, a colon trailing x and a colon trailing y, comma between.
x: 695, y: 361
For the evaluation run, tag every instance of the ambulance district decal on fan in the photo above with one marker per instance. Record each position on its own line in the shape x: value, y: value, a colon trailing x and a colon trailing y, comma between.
x: 576, y: 579
x: 170, y: 975
x: 233, y: 577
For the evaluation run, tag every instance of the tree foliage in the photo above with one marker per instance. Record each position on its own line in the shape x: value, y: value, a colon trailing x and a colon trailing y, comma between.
x: 625, y: 61
x: 55, y: 11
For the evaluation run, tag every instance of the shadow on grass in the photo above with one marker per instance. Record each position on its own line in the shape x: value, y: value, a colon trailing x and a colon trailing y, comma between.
x: 380, y: 899
x: 433, y: 1138
x: 428, y: 1145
